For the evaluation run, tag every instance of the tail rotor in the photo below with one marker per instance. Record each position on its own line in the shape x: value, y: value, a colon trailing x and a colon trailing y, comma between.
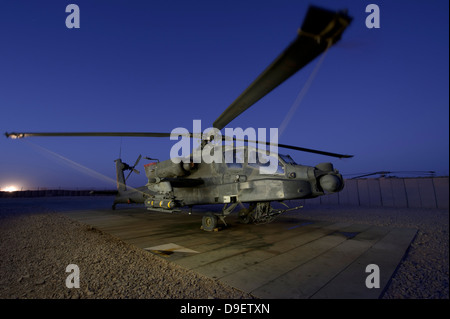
x: 132, y: 168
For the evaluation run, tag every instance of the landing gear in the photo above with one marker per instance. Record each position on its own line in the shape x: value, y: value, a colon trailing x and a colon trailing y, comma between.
x: 245, y: 214
x: 209, y: 222
x: 261, y: 213
x: 258, y: 213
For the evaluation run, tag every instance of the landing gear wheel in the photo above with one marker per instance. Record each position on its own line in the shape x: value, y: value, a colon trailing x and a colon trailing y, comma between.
x: 244, y: 216
x: 209, y: 222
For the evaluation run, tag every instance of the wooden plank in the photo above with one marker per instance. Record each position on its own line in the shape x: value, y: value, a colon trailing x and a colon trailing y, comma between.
x: 266, y: 260
x: 188, y: 240
x: 192, y: 262
x: 251, y: 278
x: 244, y: 239
x: 235, y: 263
x: 306, y: 279
x: 387, y: 253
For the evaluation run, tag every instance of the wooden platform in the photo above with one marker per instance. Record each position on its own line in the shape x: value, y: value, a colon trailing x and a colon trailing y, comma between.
x: 288, y: 258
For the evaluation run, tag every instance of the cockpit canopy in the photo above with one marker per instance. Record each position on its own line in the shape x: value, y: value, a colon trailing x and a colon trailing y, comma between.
x: 267, y: 163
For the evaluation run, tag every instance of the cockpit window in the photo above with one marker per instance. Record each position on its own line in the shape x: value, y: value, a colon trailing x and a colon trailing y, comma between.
x: 234, y: 158
x: 265, y: 163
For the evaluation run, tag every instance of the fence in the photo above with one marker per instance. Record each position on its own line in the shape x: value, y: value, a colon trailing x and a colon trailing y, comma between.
x: 429, y: 192
x: 387, y: 192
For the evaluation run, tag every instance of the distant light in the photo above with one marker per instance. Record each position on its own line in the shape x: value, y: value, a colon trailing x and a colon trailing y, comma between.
x: 11, y: 189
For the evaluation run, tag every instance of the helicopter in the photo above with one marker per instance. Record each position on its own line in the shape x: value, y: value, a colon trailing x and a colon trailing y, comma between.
x: 240, y: 174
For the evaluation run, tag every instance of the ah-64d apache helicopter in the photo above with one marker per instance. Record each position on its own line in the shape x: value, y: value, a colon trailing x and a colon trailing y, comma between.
x: 174, y: 184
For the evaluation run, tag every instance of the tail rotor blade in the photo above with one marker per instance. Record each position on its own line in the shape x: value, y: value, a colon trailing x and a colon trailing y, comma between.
x: 132, y: 168
x: 128, y: 174
x: 137, y: 161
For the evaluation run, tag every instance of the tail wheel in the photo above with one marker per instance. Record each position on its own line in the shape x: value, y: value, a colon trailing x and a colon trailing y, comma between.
x: 209, y: 222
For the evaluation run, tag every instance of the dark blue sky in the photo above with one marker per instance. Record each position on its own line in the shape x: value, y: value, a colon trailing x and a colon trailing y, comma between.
x: 380, y: 94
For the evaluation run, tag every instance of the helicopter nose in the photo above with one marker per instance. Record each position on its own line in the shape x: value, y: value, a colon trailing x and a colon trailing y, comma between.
x: 330, y: 183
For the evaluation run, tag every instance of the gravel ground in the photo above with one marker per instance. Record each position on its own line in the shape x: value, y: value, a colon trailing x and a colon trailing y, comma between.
x: 36, y: 244
x: 36, y: 248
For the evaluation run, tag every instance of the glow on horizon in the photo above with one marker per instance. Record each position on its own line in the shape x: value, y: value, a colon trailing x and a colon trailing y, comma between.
x: 11, y: 189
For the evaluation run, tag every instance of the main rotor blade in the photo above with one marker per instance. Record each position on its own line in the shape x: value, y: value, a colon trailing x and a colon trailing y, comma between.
x: 15, y: 135
x: 428, y: 173
x: 321, y: 28
x: 292, y: 147
x: 309, y: 150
